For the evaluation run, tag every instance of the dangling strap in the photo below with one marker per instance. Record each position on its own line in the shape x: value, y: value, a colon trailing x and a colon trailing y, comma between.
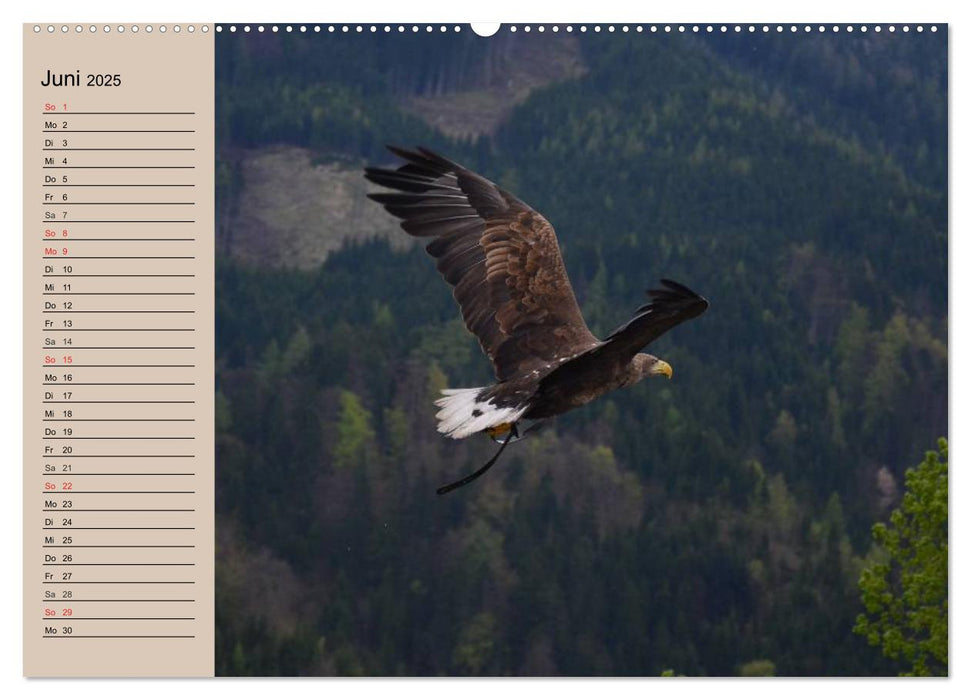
x: 485, y: 467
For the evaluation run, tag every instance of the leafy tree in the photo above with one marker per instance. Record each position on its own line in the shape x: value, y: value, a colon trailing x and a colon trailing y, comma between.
x: 354, y: 432
x: 758, y: 667
x: 476, y: 643
x: 906, y: 596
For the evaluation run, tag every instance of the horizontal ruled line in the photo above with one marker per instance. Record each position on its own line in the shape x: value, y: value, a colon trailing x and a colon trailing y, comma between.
x: 74, y: 617
x: 123, y: 473
x: 122, y: 347
x: 118, y: 149
x: 119, y: 294
x: 119, y: 600
x: 118, y: 528
x: 72, y: 491
x: 73, y: 240
x: 122, y: 275
x: 126, y: 456
x: 107, y: 204
x: 120, y: 636
x: 170, y: 401
x: 118, y: 131
x: 119, y: 311
x: 117, y: 437
x: 119, y: 546
x: 119, y: 510
x: 120, y: 113
x: 100, y: 184
x: 119, y: 257
x: 72, y: 583
x: 119, y: 167
x: 72, y: 366
x: 119, y: 420
x: 72, y: 564
x: 120, y: 221
x: 119, y: 330
x: 67, y: 384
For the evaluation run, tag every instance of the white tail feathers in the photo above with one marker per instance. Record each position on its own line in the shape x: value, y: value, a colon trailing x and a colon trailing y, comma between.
x: 464, y: 414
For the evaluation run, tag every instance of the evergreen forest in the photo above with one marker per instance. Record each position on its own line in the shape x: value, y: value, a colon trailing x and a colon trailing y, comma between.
x: 716, y: 524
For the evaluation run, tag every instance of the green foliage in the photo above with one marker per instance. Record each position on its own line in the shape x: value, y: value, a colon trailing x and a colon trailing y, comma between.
x: 354, y: 433
x: 758, y: 667
x: 224, y: 416
x: 296, y: 352
x: 906, y: 595
x: 476, y: 644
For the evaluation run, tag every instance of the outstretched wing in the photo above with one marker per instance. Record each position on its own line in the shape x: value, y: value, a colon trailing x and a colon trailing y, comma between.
x: 668, y: 307
x: 672, y: 304
x: 500, y: 256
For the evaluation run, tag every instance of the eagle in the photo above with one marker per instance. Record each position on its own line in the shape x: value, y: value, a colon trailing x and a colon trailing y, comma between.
x: 502, y: 260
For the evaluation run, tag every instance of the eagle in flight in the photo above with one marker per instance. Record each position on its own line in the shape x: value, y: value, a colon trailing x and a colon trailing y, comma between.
x: 502, y: 260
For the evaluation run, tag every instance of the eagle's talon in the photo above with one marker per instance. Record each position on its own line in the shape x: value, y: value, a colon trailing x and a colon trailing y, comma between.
x: 497, y: 431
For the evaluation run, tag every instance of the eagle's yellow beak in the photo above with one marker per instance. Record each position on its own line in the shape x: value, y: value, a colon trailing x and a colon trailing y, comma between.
x: 662, y: 367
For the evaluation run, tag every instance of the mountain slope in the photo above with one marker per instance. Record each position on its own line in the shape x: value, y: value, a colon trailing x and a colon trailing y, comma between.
x: 698, y: 525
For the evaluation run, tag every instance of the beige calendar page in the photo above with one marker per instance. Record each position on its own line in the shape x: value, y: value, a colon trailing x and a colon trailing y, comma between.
x: 118, y: 350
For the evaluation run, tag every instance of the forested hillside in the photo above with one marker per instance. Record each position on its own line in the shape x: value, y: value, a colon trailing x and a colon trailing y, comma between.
x: 698, y: 524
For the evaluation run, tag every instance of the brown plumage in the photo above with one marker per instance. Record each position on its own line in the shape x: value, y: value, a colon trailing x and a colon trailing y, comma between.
x: 502, y: 259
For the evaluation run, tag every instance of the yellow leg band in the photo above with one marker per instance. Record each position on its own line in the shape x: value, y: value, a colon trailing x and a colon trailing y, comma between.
x: 498, y: 430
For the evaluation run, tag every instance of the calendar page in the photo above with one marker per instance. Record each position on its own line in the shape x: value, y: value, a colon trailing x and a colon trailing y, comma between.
x: 426, y: 350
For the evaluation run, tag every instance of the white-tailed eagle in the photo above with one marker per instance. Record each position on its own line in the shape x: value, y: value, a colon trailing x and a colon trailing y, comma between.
x: 502, y: 260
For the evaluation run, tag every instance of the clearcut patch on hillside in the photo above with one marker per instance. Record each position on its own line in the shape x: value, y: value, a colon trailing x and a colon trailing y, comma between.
x: 294, y: 211
x: 517, y: 68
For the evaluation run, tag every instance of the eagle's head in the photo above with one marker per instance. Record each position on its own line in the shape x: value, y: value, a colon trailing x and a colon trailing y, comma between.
x: 646, y: 365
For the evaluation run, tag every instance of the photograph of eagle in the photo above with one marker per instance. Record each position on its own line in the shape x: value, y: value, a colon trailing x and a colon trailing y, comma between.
x: 503, y: 262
